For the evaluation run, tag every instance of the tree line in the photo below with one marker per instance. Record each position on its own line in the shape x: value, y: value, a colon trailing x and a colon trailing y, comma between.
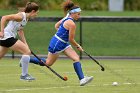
x: 130, y: 5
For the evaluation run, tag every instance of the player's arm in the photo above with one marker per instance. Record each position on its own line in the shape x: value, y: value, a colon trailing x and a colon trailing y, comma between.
x: 70, y: 25
x: 58, y: 24
x: 16, y: 17
x: 22, y: 36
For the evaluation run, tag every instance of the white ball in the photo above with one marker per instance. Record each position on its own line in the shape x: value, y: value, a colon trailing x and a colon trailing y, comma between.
x: 115, y: 83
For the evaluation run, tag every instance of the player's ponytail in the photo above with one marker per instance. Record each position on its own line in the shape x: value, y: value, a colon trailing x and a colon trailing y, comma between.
x: 68, y: 5
x: 31, y: 6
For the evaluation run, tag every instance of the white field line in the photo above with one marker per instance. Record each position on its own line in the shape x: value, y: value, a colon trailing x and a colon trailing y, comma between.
x: 29, y: 89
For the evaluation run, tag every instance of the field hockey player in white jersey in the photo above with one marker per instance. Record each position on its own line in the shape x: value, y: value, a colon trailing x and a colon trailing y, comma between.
x: 8, y: 33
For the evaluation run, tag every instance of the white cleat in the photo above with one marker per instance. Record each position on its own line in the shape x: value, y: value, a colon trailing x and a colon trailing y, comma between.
x: 86, y: 80
x: 27, y: 77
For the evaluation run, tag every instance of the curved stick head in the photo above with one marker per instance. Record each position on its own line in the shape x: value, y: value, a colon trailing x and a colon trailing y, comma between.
x: 102, y: 69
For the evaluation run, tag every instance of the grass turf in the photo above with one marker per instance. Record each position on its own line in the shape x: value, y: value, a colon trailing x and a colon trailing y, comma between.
x: 125, y: 72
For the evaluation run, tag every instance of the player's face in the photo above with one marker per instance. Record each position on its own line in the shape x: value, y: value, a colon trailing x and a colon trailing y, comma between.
x: 34, y: 13
x: 77, y: 15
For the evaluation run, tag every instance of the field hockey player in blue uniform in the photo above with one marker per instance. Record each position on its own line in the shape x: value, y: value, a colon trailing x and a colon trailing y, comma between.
x: 64, y: 38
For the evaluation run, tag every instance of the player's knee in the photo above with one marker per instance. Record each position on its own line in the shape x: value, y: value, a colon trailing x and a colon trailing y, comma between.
x: 49, y: 63
x: 27, y: 52
x: 76, y: 59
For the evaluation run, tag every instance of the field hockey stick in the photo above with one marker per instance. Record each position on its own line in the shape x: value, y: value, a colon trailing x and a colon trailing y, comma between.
x: 63, y: 78
x: 102, y: 68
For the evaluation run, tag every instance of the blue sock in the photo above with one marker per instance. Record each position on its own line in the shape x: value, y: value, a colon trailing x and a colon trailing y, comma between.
x: 36, y: 61
x: 78, y: 70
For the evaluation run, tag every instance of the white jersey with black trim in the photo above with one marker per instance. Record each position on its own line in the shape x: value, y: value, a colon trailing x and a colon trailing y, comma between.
x: 13, y: 26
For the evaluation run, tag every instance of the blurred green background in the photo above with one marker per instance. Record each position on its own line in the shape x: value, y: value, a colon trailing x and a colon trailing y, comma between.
x: 55, y: 4
x: 99, y: 38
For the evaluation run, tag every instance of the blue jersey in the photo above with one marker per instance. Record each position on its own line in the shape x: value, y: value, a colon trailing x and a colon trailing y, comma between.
x: 60, y: 41
x: 62, y: 32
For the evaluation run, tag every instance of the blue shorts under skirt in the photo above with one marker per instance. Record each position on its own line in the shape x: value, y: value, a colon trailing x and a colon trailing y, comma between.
x: 57, y: 46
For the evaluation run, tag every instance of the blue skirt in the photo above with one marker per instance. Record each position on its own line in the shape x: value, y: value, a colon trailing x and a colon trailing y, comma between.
x: 57, y: 46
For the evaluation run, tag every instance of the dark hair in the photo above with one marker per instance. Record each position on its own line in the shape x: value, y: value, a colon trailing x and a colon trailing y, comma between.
x: 68, y: 5
x: 31, y: 6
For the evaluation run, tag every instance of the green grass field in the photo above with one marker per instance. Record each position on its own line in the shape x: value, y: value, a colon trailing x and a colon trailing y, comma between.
x: 125, y: 72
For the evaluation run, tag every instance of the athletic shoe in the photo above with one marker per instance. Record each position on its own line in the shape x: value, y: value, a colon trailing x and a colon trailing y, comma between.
x: 86, y: 80
x: 27, y: 77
